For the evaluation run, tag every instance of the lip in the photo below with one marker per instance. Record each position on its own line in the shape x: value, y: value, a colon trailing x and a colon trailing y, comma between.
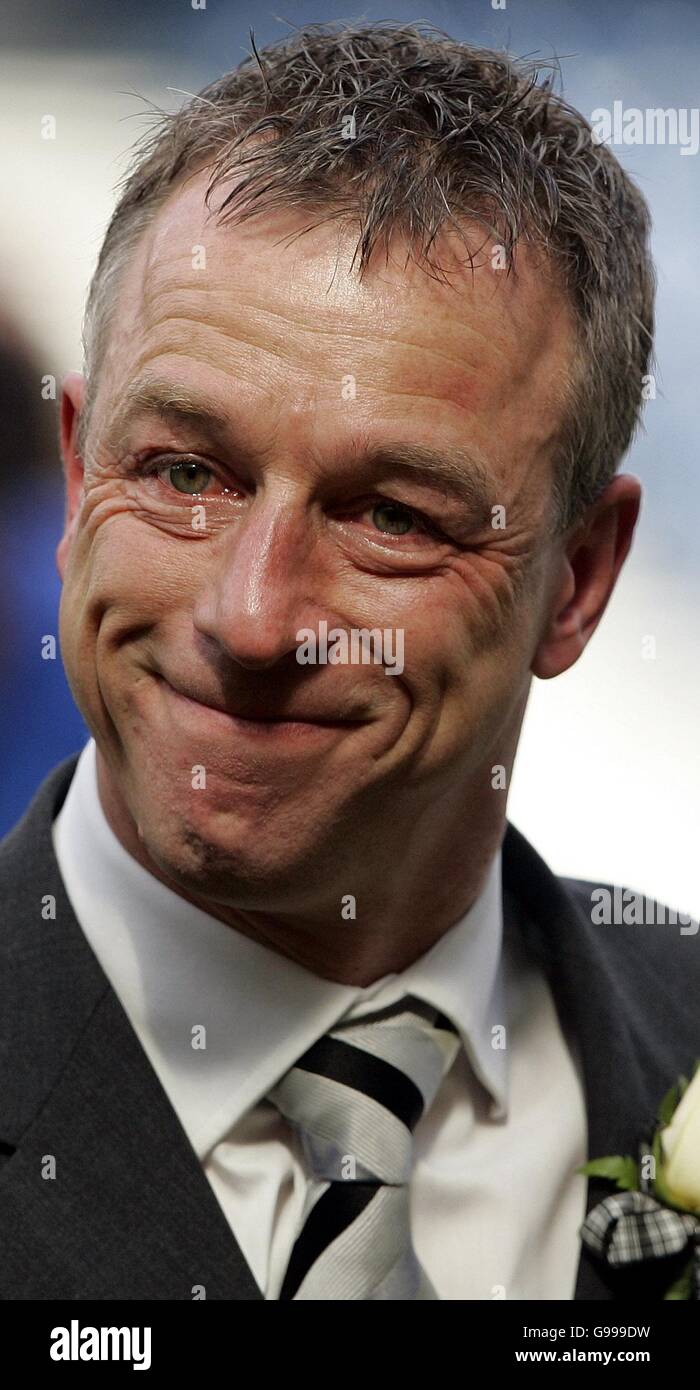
x: 269, y: 727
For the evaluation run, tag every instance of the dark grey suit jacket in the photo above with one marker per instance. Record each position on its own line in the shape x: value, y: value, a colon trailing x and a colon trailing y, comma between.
x: 130, y: 1214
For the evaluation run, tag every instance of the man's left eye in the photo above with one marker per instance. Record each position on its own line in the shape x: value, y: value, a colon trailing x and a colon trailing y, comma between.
x: 188, y: 476
x: 393, y: 519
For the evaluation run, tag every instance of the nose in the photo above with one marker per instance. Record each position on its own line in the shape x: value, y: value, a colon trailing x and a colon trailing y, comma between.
x: 258, y: 595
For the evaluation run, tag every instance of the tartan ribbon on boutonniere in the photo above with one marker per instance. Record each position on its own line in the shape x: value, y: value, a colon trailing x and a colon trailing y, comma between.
x: 656, y: 1212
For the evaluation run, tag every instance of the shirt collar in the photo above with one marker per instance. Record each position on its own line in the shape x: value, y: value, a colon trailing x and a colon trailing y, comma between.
x: 222, y: 1017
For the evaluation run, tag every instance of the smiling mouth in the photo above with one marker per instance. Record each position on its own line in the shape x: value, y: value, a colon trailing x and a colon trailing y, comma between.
x: 260, y: 723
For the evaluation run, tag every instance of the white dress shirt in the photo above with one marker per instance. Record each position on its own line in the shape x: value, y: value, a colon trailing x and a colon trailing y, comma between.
x: 495, y: 1200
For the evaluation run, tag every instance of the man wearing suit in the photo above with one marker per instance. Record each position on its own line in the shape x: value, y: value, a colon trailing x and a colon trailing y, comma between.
x: 290, y: 1010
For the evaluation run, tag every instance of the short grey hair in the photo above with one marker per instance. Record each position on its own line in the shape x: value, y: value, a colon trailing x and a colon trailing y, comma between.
x: 443, y: 134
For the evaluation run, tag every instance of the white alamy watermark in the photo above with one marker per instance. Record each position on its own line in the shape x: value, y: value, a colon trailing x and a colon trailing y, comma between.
x: 624, y: 908
x: 76, y: 1343
x: 655, y: 125
x: 355, y: 646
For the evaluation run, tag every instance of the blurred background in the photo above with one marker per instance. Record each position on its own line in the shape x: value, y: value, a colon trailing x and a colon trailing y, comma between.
x: 607, y: 779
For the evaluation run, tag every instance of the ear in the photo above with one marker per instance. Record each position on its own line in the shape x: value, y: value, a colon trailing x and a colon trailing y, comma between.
x: 586, y: 574
x: 72, y: 399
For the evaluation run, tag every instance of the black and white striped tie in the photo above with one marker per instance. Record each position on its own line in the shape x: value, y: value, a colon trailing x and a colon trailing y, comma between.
x: 355, y: 1098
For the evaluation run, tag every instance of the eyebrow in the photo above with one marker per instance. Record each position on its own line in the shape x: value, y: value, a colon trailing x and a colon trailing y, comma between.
x: 171, y: 403
x: 456, y: 470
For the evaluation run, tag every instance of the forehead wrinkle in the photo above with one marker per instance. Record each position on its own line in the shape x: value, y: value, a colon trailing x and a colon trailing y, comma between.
x: 191, y: 336
x: 283, y: 340
x: 170, y: 307
x: 191, y: 333
x: 162, y: 267
x: 164, y: 288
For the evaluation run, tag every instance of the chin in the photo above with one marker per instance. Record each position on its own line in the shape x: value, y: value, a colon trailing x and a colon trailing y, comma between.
x: 232, y: 862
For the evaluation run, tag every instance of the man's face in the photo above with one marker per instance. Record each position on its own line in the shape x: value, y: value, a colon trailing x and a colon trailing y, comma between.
x: 245, y: 771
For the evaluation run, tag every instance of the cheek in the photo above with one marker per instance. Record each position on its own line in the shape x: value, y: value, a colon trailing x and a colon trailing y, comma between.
x: 496, y: 600
x: 115, y: 586
x: 467, y: 645
x: 466, y: 613
x: 128, y: 571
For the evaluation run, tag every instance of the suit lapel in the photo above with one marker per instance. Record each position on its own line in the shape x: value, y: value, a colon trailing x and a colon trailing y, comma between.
x: 129, y: 1213
x: 595, y: 1015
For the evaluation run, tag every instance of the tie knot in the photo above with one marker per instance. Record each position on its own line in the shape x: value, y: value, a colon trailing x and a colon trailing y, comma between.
x: 357, y: 1094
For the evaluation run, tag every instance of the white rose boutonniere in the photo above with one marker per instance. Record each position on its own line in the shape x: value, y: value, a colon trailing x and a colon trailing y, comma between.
x: 680, y: 1149
x: 657, y: 1213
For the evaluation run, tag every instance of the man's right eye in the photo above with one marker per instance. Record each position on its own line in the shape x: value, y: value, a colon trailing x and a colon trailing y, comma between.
x: 187, y: 476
